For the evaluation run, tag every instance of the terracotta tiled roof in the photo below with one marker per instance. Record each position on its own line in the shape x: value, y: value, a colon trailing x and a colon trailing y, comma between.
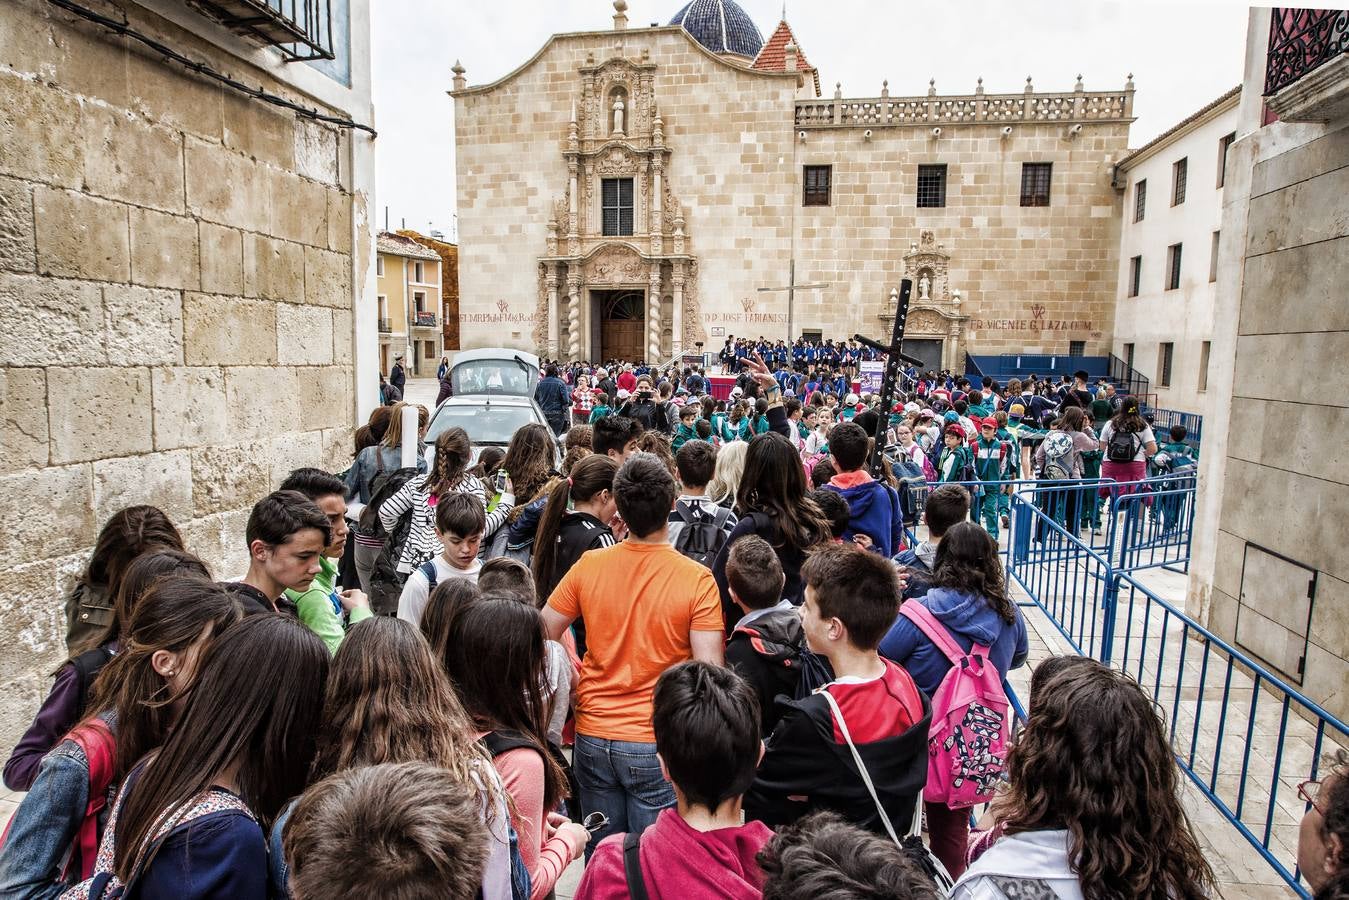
x: 1231, y: 97
x: 396, y: 244
x: 773, y: 56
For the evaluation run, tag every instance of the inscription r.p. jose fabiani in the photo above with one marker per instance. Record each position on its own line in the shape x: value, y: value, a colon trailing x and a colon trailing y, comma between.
x: 747, y: 316
x: 501, y: 316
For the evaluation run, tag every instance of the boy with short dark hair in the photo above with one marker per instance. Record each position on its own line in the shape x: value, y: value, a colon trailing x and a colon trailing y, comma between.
x: 696, y: 461
x: 835, y: 509
x: 286, y: 535
x: 325, y: 608
x: 600, y: 409
x: 686, y: 431
x: 460, y: 520
x: 706, y: 726
x: 873, y: 507
x: 615, y: 437
x: 409, y: 830
x: 765, y: 645
x: 947, y: 505
x: 851, y: 600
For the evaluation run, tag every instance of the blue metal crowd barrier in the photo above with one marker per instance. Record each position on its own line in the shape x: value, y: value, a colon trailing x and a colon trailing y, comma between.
x: 1163, y: 419
x: 1241, y: 734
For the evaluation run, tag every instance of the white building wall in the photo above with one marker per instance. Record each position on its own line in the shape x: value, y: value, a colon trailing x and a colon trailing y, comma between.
x: 1183, y: 317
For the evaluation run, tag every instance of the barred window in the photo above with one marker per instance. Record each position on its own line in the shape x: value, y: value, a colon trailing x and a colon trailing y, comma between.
x: 1178, y: 174
x: 815, y: 184
x: 1140, y: 199
x: 1173, y: 267
x: 932, y: 185
x: 1135, y: 274
x: 1165, y: 356
x: 1224, y: 144
x: 616, y: 198
x: 1035, y: 179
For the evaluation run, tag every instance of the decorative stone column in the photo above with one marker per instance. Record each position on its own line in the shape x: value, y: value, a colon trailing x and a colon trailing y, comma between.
x: 550, y: 281
x: 653, y: 323
x: 952, y: 347
x: 677, y: 308
x: 573, y: 316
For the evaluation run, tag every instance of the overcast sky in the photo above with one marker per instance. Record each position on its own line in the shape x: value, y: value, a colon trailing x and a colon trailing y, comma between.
x: 1182, y: 56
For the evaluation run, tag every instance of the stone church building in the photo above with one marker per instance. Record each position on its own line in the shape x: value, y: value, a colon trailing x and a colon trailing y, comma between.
x: 634, y: 192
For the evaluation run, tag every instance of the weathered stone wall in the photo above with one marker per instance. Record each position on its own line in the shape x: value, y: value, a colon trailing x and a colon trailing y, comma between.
x: 176, y: 319
x: 734, y: 167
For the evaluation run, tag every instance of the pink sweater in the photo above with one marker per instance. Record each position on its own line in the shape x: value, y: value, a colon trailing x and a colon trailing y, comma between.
x: 522, y: 772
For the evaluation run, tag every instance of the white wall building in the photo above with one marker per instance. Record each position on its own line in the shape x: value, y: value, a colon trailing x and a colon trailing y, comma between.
x: 1169, y: 251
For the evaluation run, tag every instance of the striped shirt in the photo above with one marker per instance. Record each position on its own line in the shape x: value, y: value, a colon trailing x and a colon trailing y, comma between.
x: 422, y: 541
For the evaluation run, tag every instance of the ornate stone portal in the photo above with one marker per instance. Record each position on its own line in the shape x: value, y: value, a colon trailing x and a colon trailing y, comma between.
x: 934, y: 309
x: 634, y: 240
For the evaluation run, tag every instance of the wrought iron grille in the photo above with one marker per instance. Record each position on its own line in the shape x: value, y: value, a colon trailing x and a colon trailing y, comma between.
x: 300, y: 29
x: 1301, y: 40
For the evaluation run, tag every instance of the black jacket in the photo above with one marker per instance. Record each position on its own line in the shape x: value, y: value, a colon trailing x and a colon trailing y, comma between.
x: 767, y: 654
x: 804, y: 770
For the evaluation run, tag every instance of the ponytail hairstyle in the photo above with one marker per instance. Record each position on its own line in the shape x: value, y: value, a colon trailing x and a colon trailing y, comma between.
x: 393, y: 433
x: 256, y: 705
x: 453, y: 453
x: 175, y: 612
x: 1128, y: 418
x: 591, y: 475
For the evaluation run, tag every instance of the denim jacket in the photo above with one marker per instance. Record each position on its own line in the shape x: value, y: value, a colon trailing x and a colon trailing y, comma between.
x: 45, y: 825
x: 367, y: 465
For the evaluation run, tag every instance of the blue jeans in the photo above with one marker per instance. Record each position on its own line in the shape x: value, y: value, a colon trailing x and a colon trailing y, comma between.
x: 621, y: 779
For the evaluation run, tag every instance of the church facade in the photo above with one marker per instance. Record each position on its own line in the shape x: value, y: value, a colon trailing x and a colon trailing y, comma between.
x: 633, y: 193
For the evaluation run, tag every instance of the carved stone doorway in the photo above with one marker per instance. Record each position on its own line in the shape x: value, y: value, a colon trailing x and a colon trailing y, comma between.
x: 622, y: 316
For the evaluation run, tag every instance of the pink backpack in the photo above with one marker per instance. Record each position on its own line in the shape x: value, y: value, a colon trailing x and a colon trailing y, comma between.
x: 967, y: 744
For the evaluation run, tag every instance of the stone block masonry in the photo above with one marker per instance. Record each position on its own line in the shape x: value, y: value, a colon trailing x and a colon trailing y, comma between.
x: 176, y: 308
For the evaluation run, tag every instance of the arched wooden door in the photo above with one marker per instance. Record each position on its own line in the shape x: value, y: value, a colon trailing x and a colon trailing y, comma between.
x: 622, y: 315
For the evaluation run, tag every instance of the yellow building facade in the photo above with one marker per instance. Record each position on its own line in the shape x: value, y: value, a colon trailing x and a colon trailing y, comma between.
x: 408, y: 289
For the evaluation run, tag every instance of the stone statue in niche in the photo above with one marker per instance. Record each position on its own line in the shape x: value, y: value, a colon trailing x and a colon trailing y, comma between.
x: 618, y: 115
x: 924, y: 285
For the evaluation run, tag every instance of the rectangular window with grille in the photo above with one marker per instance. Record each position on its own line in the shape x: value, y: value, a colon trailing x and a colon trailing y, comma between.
x: 1035, y: 179
x: 1129, y: 355
x: 1179, y: 169
x: 1224, y: 144
x: 815, y: 184
x: 1165, y: 353
x: 932, y: 185
x: 1077, y: 348
x: 1213, y: 258
x: 1204, y: 350
x: 616, y: 198
x: 1140, y: 199
x: 1135, y: 275
x: 1173, y: 267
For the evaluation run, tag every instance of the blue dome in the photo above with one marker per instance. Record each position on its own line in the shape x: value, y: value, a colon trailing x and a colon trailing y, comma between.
x: 721, y: 26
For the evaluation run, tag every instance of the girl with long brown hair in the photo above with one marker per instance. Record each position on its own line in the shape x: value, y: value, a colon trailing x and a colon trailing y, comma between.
x: 126, y: 535
x: 969, y: 598
x: 190, y: 821
x: 495, y: 659
x: 1092, y: 805
x: 70, y: 696
x: 529, y: 466
x: 138, y: 697
x: 371, y: 463
x: 771, y: 502
x: 388, y: 700
x: 575, y: 519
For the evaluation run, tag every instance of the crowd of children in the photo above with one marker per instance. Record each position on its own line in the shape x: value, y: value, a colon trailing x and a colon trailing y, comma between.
x: 709, y: 667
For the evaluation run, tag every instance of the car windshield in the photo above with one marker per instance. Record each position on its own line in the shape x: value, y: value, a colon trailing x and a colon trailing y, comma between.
x: 490, y: 376
x: 486, y: 424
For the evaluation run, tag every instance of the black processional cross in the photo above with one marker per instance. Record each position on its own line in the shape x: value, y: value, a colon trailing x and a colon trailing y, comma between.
x: 894, y: 356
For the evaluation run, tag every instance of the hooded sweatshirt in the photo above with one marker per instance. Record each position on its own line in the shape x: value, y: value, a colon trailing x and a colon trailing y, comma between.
x: 681, y: 863
x: 873, y: 510
x: 968, y: 618
x: 807, y: 765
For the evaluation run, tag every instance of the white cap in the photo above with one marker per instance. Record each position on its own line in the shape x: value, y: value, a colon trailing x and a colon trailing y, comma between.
x: 850, y: 400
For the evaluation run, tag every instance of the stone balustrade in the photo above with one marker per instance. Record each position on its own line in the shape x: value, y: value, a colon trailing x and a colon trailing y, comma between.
x: 1073, y: 106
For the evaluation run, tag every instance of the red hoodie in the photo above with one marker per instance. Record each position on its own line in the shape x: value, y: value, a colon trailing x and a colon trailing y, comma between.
x: 681, y: 863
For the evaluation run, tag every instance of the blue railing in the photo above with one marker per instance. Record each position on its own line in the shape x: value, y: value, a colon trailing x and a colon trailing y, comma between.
x: 1163, y: 419
x: 1242, y: 735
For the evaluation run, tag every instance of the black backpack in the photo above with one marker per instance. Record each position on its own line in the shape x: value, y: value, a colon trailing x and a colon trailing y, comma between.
x: 1123, y: 446
x: 386, y: 582
x: 703, y: 535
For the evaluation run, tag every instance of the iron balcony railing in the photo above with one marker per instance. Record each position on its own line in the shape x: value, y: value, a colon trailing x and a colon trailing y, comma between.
x: 1301, y: 40
x: 386, y: 326
x: 300, y: 29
